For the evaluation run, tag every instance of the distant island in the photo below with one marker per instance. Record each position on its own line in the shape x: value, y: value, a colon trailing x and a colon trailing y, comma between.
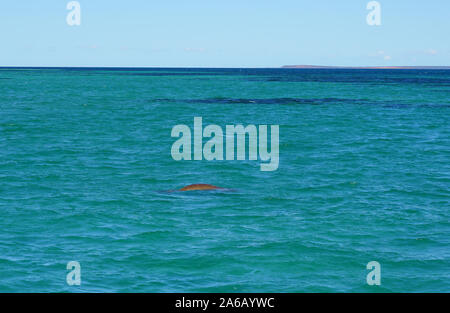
x: 369, y: 67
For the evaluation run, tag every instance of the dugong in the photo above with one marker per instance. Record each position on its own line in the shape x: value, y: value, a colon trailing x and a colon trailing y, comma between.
x: 200, y: 187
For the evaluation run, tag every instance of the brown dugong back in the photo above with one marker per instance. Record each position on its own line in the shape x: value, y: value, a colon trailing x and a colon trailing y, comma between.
x: 200, y: 187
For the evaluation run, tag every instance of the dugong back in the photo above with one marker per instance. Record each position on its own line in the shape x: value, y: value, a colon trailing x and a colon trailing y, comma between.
x: 200, y: 187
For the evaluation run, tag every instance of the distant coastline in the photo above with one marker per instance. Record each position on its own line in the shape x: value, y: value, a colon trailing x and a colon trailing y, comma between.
x: 369, y: 67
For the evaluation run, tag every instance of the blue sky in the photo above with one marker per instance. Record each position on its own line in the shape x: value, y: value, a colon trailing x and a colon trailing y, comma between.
x: 226, y: 33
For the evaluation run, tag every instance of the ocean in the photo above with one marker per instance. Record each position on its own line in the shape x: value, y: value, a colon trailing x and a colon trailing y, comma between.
x: 86, y: 172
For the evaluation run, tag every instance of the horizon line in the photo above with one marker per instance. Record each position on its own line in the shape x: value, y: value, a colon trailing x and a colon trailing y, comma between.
x: 444, y: 67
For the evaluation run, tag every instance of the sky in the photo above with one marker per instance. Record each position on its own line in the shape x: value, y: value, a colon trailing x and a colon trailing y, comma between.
x: 225, y: 33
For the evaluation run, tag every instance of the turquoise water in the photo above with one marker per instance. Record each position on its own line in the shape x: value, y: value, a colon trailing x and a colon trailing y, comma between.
x: 364, y: 175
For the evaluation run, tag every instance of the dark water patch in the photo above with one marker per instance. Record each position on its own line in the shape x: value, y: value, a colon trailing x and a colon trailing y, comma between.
x: 434, y: 105
x: 285, y: 101
x: 355, y: 76
x: 397, y: 105
x: 352, y: 79
x: 428, y: 78
x: 171, y: 74
x: 301, y: 101
x: 123, y: 71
